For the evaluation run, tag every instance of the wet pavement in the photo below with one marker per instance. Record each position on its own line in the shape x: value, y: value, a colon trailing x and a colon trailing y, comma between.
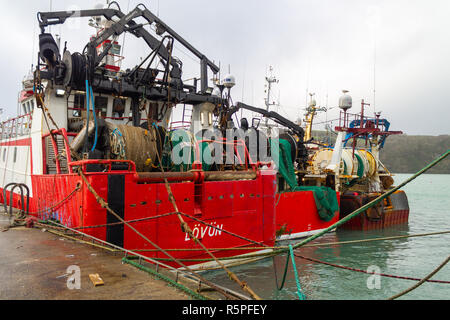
x: 35, y: 265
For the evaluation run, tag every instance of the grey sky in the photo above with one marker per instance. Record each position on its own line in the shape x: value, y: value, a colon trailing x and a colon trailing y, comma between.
x: 322, y: 46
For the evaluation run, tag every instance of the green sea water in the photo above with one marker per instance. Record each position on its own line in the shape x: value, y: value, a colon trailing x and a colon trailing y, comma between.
x: 429, y: 201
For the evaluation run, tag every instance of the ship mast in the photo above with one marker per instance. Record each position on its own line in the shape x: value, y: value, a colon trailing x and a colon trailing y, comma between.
x: 270, y: 80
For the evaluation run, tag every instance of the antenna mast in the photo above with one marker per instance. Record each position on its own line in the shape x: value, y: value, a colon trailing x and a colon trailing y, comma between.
x: 270, y: 80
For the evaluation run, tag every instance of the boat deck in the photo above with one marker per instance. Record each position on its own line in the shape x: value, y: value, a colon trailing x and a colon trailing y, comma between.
x: 33, y: 266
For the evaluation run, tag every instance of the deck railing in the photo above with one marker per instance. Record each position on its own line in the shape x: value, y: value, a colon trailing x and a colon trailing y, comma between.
x: 16, y: 127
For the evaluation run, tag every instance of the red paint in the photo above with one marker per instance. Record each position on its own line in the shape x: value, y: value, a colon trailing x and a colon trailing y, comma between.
x: 245, y: 208
x: 17, y: 143
x: 21, y: 143
x: 297, y: 213
x: 390, y: 216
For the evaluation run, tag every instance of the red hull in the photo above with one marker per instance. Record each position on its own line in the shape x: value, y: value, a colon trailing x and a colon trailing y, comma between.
x: 244, y: 208
x: 297, y: 215
x: 394, y: 211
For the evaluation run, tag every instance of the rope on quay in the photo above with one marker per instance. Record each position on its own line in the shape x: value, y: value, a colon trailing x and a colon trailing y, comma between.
x: 422, y: 281
x: 105, y: 205
x: 107, y: 246
x: 76, y: 239
x: 171, y: 282
x: 22, y: 215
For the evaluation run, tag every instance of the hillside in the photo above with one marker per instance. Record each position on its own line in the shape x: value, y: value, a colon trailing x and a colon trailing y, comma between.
x: 409, y: 154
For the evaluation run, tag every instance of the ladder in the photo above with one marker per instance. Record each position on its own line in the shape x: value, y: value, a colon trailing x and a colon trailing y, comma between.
x: 51, y: 157
x: 186, y: 119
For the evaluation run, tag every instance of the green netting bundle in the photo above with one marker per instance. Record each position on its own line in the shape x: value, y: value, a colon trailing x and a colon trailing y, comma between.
x: 326, y: 199
x: 183, y: 151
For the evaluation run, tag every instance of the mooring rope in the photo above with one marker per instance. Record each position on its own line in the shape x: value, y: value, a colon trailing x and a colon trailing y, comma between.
x: 171, y: 282
x: 283, y: 280
x: 129, y: 221
x: 105, y: 205
x: 422, y: 281
x: 243, y: 248
x: 46, y: 113
x: 52, y: 208
x: 290, y: 257
x: 117, y: 249
x: 184, y: 225
x: 185, y: 228
x: 363, y: 271
x: 376, y: 239
x: 372, y: 203
x: 300, y: 293
x: 185, y: 215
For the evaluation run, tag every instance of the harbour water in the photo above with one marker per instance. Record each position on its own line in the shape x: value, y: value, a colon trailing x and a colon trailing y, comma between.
x: 429, y: 201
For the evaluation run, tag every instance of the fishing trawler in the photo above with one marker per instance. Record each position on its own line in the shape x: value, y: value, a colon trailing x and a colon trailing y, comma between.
x: 93, y: 149
x: 353, y: 167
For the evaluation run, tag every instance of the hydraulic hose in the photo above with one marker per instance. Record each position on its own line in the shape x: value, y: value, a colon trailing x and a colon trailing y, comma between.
x: 95, y: 118
x: 85, y: 149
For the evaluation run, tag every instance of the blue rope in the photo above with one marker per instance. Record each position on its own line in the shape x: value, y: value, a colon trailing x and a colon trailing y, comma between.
x: 117, y: 131
x: 300, y: 294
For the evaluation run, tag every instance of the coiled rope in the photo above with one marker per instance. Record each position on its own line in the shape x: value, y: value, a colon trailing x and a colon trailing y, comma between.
x: 117, y: 144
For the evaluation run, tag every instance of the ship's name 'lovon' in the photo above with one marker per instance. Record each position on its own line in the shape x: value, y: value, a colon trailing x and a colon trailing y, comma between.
x: 201, y: 231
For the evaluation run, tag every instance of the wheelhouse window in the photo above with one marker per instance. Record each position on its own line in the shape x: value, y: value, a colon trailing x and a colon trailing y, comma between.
x: 101, y: 106
x: 79, y: 104
x: 118, y: 108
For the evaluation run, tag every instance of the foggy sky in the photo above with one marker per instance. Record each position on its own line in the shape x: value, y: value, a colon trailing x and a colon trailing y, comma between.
x: 400, y: 48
